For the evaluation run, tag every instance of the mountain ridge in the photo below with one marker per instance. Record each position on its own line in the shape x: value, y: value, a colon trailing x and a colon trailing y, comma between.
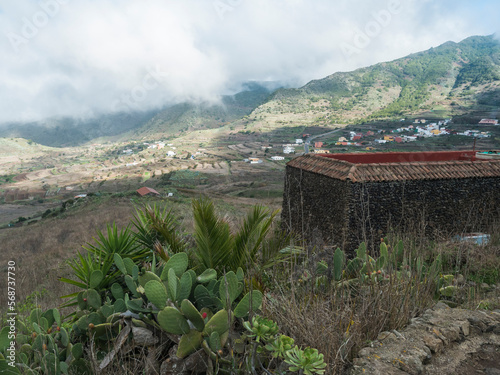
x: 449, y: 80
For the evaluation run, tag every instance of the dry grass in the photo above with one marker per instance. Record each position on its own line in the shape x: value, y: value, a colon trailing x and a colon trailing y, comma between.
x: 339, y: 320
x: 40, y: 250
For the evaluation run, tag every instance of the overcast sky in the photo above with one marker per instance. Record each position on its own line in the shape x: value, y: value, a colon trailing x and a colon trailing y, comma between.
x: 84, y: 57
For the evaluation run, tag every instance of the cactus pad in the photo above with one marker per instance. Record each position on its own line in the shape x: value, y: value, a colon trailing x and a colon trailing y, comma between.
x: 243, y: 308
x: 219, y: 323
x: 173, y: 284
x: 156, y: 293
x: 207, y: 275
x: 119, y: 263
x: 338, y: 264
x: 117, y: 291
x: 192, y: 314
x: 77, y: 350
x: 93, y: 299
x: 147, y: 276
x: 172, y: 321
x: 186, y: 285
x: 131, y: 285
x: 178, y: 262
x: 229, y: 289
x: 95, y: 278
x: 129, y: 264
x: 189, y: 343
x: 214, y: 342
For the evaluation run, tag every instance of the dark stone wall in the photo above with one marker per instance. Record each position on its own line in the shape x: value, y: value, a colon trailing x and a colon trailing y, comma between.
x: 342, y: 213
x: 429, y: 208
x: 315, y: 207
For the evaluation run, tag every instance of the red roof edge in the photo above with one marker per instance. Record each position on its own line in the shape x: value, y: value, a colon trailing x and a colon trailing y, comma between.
x: 402, y: 157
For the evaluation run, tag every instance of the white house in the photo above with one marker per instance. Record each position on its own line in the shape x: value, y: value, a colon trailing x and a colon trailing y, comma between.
x: 277, y: 158
x: 170, y: 153
x: 288, y: 150
x: 299, y: 141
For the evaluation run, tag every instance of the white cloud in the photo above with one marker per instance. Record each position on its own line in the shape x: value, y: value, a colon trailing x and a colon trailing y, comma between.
x: 79, y: 57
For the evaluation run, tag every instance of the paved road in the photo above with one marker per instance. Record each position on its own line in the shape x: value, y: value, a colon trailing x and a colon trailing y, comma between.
x: 308, y: 140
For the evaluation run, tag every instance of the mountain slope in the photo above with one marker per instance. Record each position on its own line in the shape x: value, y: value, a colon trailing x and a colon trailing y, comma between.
x: 170, y: 121
x: 73, y: 132
x: 453, y: 78
x: 186, y: 117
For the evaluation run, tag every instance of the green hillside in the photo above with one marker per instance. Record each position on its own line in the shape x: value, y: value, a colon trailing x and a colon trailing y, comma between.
x: 452, y: 79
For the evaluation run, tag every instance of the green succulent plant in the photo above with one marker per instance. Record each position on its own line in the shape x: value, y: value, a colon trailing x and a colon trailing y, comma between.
x: 309, y: 361
x: 261, y: 328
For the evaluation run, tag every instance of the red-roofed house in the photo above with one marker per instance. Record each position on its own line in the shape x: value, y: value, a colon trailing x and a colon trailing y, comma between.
x: 488, y: 121
x: 346, y: 199
x: 356, y: 138
x: 318, y: 144
x: 398, y: 139
x: 145, y: 191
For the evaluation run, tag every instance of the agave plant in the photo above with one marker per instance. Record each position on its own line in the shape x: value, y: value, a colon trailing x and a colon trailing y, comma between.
x: 96, y: 269
x: 156, y: 226
x: 122, y: 242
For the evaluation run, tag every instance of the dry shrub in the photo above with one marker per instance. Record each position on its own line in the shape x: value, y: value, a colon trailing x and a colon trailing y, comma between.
x: 341, y: 319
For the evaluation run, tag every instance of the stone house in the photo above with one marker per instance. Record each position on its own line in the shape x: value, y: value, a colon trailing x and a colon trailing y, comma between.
x: 344, y: 199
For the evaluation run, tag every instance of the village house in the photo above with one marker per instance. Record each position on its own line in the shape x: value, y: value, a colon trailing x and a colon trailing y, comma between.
x: 147, y: 191
x: 356, y: 137
x: 488, y: 121
x: 318, y: 144
x: 345, y: 199
x: 277, y: 157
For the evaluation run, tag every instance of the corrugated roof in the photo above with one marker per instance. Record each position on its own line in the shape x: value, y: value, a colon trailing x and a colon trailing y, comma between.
x: 378, y: 172
x: 146, y: 190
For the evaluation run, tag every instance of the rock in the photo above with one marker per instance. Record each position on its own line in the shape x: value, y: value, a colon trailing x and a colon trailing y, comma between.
x: 195, y: 363
x: 492, y: 371
x: 143, y: 336
x: 477, y: 323
x: 464, y: 326
x: 485, y: 286
x: 433, y: 343
x: 440, y: 306
x: 441, y: 338
x: 448, y: 303
x: 386, y: 335
x: 452, y: 333
x: 398, y: 335
x: 365, y: 352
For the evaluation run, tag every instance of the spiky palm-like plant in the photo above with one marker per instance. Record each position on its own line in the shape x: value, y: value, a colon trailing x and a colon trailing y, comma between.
x: 157, y: 228
x: 218, y: 247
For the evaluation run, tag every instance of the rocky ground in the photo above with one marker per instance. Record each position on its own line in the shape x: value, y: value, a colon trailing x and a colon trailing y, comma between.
x: 442, y: 341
